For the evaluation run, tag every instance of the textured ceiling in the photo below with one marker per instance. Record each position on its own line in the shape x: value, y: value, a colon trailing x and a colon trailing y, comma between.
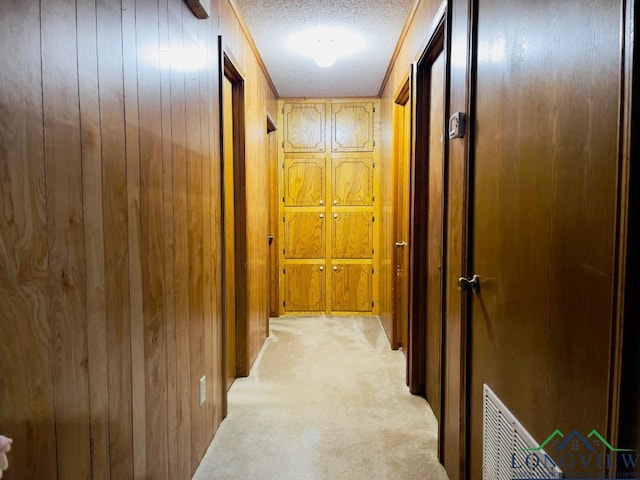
x: 378, y: 22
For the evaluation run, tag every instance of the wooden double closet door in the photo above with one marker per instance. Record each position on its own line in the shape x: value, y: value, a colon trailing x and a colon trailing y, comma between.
x: 328, y: 183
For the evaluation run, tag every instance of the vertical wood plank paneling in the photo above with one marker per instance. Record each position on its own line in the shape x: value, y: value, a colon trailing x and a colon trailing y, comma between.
x: 130, y: 80
x: 116, y: 228
x: 152, y: 237
x: 181, y: 229
x: 67, y: 309
x: 169, y: 236
x: 111, y: 236
x: 26, y: 394
x: 194, y: 218
x: 217, y: 365
x: 91, y: 143
x: 207, y: 370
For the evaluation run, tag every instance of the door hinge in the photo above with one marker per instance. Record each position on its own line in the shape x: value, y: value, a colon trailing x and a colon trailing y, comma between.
x: 282, y: 199
x: 283, y: 109
x: 373, y: 270
x: 282, y: 219
x: 284, y: 270
x: 283, y: 251
x: 282, y: 147
x: 373, y: 219
x: 374, y: 143
x: 374, y: 109
x: 373, y: 165
x: 373, y: 199
x: 372, y: 304
x: 372, y: 252
x: 284, y: 304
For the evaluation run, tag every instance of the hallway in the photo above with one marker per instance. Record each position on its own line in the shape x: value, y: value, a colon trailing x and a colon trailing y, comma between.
x: 326, y: 399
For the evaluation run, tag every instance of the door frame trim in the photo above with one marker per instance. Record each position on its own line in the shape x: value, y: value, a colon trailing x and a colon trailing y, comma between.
x: 416, y: 355
x: 624, y: 391
x: 230, y: 69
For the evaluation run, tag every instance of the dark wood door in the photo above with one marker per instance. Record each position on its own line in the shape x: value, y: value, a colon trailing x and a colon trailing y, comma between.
x: 543, y: 206
x: 435, y: 223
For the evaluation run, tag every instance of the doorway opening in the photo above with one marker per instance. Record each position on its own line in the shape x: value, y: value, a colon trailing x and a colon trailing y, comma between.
x: 232, y: 123
x: 402, y: 158
x: 427, y: 213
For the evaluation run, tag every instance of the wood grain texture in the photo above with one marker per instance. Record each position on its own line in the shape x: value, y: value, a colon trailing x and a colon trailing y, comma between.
x: 544, y: 203
x: 336, y: 186
x: 274, y: 245
x: 100, y: 243
x: 67, y: 288
x: 304, y: 235
x: 133, y: 176
x: 304, y: 182
x: 181, y: 240
x: 116, y: 251
x: 91, y: 143
x: 352, y: 127
x: 229, y: 232
x: 195, y: 159
x: 435, y: 235
x: 26, y: 336
x: 387, y: 201
x: 304, y: 127
x: 304, y: 287
x: 453, y: 424
x: 259, y: 98
x: 352, y: 181
x: 168, y: 240
x: 400, y: 285
x: 351, y: 288
x: 352, y: 234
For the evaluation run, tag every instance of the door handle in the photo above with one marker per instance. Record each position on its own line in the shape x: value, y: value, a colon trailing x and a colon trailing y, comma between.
x: 472, y: 284
x: 322, y: 268
x: 401, y: 244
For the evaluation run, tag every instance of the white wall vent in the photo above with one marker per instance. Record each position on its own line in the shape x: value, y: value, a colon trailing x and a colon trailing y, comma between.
x: 504, y: 444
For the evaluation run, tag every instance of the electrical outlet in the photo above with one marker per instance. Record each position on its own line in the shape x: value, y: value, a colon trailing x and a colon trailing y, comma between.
x: 203, y: 389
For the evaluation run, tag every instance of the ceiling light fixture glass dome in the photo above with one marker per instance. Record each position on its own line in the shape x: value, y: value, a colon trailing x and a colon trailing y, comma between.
x: 325, y: 54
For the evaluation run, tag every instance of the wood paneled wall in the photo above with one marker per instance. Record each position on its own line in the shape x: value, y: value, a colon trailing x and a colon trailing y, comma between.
x: 260, y: 99
x: 423, y: 12
x: 110, y: 234
x: 581, y: 225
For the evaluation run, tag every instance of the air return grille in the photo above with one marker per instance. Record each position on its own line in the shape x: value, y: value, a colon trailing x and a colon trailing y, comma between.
x: 504, y: 444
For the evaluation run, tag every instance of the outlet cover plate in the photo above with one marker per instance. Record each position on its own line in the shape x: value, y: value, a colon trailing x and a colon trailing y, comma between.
x: 203, y: 389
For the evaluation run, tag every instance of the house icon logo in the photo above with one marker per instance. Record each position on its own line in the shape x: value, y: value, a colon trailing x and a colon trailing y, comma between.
x: 578, y: 456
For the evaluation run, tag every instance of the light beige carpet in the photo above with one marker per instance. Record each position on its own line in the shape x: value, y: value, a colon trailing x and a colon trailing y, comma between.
x: 326, y: 399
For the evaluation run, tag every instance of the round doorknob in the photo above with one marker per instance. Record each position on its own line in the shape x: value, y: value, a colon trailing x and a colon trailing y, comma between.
x: 322, y: 215
x: 335, y: 268
x: 335, y: 202
x: 321, y: 202
x: 322, y: 268
x: 335, y: 215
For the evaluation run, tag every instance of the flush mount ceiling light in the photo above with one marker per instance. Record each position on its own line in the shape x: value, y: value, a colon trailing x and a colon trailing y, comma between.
x: 325, y: 44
